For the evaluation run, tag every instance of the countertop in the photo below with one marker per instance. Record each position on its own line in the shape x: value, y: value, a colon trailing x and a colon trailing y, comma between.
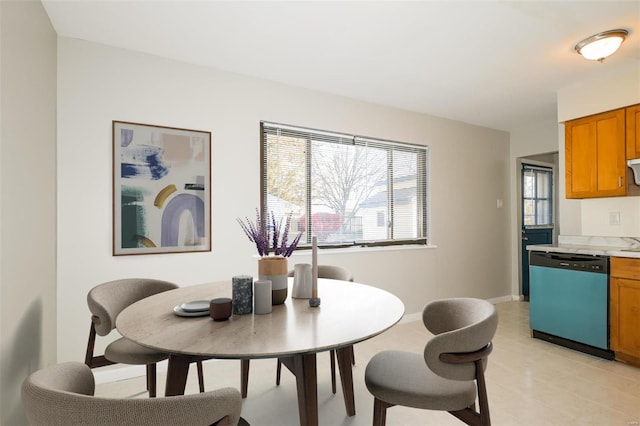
x: 599, y: 246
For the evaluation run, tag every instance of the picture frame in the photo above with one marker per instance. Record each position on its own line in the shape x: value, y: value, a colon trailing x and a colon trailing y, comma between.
x: 161, y: 189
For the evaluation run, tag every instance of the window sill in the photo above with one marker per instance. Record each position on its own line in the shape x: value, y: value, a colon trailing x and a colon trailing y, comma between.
x: 363, y: 249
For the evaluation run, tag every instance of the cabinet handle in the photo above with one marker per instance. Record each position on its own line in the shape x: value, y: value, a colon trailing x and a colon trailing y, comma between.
x: 619, y: 181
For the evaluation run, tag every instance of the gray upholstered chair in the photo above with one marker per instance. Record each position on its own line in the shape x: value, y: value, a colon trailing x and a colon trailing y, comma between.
x: 105, y: 302
x: 449, y: 375
x: 62, y: 395
x: 331, y: 272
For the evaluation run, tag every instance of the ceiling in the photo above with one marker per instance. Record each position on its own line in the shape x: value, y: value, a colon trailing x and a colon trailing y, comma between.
x: 497, y: 64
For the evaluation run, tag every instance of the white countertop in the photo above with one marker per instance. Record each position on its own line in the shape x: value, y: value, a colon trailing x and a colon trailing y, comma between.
x: 598, y: 246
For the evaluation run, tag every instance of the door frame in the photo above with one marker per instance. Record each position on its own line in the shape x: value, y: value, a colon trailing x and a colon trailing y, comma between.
x: 534, y: 160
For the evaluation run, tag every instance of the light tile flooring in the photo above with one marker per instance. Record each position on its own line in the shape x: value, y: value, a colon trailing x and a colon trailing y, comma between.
x: 530, y: 382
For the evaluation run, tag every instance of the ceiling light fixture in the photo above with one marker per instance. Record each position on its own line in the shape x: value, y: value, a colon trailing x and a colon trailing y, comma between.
x: 599, y: 46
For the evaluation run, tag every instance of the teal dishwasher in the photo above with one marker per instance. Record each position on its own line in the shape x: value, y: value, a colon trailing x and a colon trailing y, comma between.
x: 569, y: 301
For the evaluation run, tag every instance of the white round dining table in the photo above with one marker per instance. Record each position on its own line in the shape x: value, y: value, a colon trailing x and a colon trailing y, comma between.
x: 294, y: 332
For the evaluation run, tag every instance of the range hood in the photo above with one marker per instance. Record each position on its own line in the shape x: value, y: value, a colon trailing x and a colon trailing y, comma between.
x: 635, y: 166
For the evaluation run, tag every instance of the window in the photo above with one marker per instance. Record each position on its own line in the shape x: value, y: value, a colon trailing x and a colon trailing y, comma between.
x: 345, y: 189
x: 537, y: 195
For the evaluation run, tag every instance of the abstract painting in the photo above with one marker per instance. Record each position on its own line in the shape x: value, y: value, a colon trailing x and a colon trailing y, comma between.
x: 161, y: 189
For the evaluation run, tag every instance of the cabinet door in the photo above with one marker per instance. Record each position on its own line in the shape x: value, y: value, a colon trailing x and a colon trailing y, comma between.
x: 625, y: 316
x: 595, y: 155
x: 633, y: 132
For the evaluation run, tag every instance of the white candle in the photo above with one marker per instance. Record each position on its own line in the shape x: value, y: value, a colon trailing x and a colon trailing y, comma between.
x: 314, y: 267
x: 262, y: 296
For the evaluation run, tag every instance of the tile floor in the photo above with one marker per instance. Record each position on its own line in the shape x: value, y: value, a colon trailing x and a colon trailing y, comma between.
x: 530, y: 382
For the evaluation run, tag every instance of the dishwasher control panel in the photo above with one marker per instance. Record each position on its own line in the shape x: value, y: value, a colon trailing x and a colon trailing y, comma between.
x: 575, y: 262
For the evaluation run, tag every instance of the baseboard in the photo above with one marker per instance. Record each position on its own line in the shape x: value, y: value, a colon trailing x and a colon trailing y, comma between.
x: 417, y: 316
x: 124, y: 372
x: 502, y: 299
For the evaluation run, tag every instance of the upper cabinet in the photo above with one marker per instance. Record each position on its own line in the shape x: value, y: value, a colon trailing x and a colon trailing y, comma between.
x: 633, y: 132
x: 595, y: 155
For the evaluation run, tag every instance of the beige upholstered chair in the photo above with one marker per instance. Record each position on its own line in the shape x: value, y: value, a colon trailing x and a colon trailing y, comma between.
x: 450, y: 374
x: 106, y: 301
x: 63, y: 395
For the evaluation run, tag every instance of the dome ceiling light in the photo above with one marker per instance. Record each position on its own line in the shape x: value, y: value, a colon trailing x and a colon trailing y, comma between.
x: 599, y: 46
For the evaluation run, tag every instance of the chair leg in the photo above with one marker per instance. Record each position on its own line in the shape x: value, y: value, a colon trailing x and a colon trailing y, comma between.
x: 200, y: 376
x: 332, y: 355
x: 151, y: 380
x: 483, y: 402
x: 380, y: 412
x: 278, y: 371
x: 244, y: 377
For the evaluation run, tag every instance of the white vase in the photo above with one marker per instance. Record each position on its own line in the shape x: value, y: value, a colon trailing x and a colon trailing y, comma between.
x: 302, y: 281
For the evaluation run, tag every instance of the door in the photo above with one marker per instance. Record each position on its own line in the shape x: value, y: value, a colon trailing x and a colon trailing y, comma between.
x: 537, y: 213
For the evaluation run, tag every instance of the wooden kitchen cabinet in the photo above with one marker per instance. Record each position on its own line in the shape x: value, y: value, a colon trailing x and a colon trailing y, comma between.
x: 624, y: 309
x: 595, y: 156
x: 633, y: 132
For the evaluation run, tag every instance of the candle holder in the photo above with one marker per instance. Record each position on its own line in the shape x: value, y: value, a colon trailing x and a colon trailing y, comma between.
x: 314, y: 301
x: 220, y: 309
x: 242, y: 294
x: 262, y: 297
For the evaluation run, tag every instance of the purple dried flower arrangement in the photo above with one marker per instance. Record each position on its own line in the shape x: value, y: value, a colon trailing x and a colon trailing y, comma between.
x: 277, y: 235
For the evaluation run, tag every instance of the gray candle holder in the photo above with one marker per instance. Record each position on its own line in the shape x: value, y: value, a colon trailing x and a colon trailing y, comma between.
x: 242, y: 294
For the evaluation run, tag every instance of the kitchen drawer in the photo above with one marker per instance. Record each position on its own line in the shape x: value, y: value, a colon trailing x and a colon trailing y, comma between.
x: 625, y: 267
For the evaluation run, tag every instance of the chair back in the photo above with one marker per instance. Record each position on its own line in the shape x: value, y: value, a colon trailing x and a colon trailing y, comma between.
x: 332, y: 272
x: 107, y: 300
x: 459, y: 325
x: 46, y: 391
x: 62, y: 395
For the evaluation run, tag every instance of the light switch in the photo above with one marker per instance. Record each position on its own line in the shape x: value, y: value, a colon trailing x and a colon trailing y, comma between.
x: 614, y: 218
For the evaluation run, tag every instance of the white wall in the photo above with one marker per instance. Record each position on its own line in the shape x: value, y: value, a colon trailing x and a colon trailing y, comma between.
x: 98, y: 84
x: 529, y: 139
x: 28, y: 209
x: 617, y: 88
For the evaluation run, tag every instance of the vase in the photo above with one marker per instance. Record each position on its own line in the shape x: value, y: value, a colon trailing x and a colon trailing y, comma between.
x: 274, y: 269
x: 302, y: 281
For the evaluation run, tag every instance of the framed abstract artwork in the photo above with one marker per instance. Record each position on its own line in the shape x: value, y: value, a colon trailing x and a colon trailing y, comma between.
x: 161, y: 189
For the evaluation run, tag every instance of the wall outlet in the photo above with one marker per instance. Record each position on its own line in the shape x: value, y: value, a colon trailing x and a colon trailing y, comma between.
x: 614, y: 218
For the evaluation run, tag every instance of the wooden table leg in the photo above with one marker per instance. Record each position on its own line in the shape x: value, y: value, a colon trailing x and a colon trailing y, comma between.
x: 177, y: 371
x: 345, y: 356
x: 244, y: 377
x: 304, y: 368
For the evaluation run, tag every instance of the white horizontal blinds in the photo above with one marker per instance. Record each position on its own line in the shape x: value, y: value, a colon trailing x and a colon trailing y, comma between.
x: 284, y: 178
x: 406, y: 192
x: 405, y: 195
x: 345, y: 189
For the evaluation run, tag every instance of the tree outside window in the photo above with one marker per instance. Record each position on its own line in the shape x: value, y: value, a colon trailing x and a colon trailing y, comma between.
x: 339, y: 186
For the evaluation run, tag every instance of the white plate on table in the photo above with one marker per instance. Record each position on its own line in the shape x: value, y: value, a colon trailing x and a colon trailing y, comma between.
x: 182, y: 313
x: 195, y: 306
